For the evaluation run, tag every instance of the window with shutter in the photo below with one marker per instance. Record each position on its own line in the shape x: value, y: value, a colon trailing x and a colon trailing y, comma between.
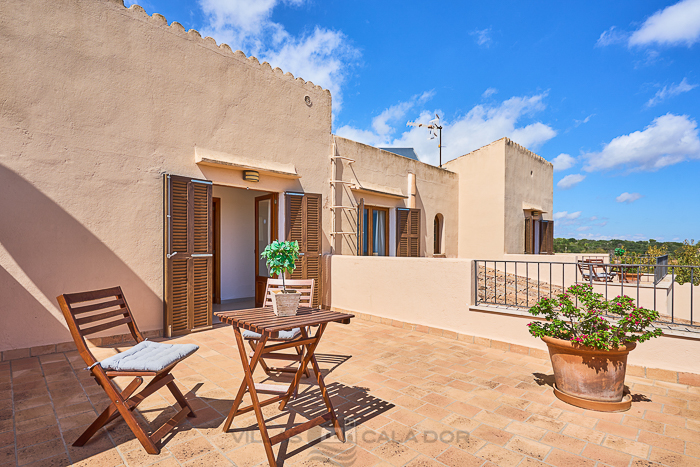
x: 529, y: 236
x: 547, y: 237
x: 374, y: 232
x: 407, y: 232
x: 188, y: 255
x: 304, y: 226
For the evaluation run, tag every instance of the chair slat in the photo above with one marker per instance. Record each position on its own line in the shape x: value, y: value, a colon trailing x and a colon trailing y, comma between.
x: 96, y: 306
x: 104, y: 326
x: 78, y: 297
x: 101, y: 316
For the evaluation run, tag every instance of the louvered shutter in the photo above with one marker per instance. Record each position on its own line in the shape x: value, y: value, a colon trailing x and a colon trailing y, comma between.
x: 529, y: 237
x: 407, y: 232
x: 304, y: 226
x: 547, y: 237
x: 361, y: 227
x: 189, y: 255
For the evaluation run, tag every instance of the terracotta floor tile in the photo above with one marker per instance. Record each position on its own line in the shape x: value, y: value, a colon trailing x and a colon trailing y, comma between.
x: 626, y: 445
x: 499, y: 456
x: 454, y: 457
x: 606, y: 455
x: 559, y: 458
x: 492, y: 435
x: 37, y: 452
x: 528, y: 447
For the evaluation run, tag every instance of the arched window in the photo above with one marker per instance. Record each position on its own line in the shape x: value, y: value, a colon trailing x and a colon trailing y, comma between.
x: 437, y: 234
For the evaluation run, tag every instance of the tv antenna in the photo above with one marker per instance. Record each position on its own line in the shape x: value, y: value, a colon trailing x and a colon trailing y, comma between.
x: 435, y: 131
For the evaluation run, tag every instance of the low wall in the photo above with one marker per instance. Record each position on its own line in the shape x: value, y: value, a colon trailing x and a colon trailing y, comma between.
x: 438, y: 293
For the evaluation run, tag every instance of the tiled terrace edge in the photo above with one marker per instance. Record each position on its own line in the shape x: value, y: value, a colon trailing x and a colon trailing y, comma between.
x: 14, y: 354
x: 669, y: 376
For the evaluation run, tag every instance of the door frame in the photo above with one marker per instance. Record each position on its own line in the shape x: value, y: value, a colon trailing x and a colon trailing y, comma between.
x: 274, y: 234
x: 216, y: 213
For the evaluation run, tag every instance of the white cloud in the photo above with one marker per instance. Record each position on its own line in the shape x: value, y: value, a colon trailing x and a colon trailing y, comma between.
x: 628, y: 197
x: 570, y: 181
x: 563, y: 162
x: 489, y: 92
x: 611, y: 36
x: 669, y: 139
x: 670, y: 91
x: 566, y: 215
x: 482, y: 125
x: 675, y: 24
x: 585, y: 120
x: 483, y: 37
x: 322, y: 56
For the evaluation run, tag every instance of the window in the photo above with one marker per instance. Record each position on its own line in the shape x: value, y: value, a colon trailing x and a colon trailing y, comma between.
x: 437, y: 234
x: 539, y: 235
x: 375, y: 232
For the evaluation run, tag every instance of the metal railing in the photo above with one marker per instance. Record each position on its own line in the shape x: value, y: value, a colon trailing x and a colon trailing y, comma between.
x: 668, y: 289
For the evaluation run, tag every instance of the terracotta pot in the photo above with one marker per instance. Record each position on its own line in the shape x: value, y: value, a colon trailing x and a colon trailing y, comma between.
x: 589, y: 373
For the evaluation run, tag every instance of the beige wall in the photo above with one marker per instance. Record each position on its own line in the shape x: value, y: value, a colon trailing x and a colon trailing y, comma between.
x: 496, y: 184
x: 436, y: 192
x: 100, y: 101
x: 528, y: 186
x: 437, y: 293
x: 481, y: 208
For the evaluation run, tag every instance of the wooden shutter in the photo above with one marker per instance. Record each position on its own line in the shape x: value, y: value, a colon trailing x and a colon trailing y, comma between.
x: 188, y: 255
x: 529, y: 237
x: 547, y: 237
x: 360, y: 227
x: 407, y: 232
x: 304, y: 226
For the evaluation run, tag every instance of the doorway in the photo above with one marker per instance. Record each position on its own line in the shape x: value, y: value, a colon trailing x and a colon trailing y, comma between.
x: 265, y: 233
x: 245, y: 222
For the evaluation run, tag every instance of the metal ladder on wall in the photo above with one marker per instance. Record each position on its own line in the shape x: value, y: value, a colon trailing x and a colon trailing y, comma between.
x: 335, y: 206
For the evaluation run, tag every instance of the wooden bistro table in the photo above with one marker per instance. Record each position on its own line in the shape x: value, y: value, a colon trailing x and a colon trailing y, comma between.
x: 267, y: 324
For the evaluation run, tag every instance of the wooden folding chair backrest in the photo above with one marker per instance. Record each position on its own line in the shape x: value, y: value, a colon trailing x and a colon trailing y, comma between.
x: 90, y: 312
x: 585, y: 268
x: 305, y: 286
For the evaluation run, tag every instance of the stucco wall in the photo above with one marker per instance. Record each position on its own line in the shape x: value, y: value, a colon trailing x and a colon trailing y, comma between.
x: 481, y: 207
x: 436, y: 192
x: 438, y: 293
x: 528, y: 186
x: 97, y: 102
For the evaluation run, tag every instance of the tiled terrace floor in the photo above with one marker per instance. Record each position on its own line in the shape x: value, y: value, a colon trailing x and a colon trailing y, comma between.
x: 416, y: 399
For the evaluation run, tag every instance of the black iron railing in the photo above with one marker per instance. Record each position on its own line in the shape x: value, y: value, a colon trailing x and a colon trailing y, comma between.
x: 668, y: 289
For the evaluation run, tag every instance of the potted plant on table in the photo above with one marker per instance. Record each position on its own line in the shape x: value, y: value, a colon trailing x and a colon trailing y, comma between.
x: 589, y: 339
x: 281, y: 258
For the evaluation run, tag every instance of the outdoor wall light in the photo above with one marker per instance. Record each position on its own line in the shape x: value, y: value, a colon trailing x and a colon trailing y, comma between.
x: 251, y: 176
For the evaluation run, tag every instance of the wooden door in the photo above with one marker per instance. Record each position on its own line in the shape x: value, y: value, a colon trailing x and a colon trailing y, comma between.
x: 265, y: 233
x: 188, y: 255
x: 408, y: 232
x: 304, y: 226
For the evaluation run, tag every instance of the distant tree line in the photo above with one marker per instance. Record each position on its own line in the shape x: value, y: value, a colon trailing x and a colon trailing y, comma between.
x: 573, y: 245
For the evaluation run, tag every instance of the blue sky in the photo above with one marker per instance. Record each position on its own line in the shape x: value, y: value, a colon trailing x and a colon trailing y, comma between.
x: 608, y: 91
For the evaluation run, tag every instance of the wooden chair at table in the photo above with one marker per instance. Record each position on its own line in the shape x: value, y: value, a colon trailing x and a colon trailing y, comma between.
x: 145, y: 359
x: 306, y: 287
x: 594, y: 269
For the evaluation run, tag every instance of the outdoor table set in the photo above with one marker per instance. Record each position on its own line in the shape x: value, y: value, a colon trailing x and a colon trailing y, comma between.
x: 264, y: 322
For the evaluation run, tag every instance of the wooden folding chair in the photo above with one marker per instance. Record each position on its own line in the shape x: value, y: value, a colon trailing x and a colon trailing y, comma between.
x: 306, y: 287
x: 90, y: 312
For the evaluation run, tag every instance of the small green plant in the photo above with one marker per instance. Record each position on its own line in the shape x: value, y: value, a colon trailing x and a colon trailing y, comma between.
x: 619, y: 252
x: 688, y: 255
x: 280, y: 258
x: 585, y: 324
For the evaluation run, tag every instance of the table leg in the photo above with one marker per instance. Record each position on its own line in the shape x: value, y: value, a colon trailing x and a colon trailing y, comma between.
x: 310, y: 349
x: 253, y: 393
x: 324, y: 393
x: 244, y: 385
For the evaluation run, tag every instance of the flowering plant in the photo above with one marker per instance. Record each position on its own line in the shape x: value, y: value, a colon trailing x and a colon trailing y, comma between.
x: 577, y: 316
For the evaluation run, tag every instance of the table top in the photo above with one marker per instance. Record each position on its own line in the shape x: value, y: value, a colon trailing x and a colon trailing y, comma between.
x: 263, y: 320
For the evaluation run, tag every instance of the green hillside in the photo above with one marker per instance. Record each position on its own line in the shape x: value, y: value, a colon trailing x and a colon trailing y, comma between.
x: 573, y: 245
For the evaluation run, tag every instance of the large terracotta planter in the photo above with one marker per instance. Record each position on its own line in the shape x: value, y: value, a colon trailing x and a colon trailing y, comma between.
x: 587, y: 373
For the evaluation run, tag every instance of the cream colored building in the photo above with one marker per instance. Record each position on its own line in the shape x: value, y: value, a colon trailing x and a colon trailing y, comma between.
x: 119, y: 131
